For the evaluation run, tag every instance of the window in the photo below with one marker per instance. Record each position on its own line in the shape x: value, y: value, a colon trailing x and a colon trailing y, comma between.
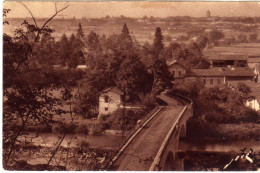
x: 204, y: 81
x: 173, y: 73
x: 106, y: 99
x: 179, y: 73
x: 218, y: 81
x: 211, y: 81
x: 106, y: 108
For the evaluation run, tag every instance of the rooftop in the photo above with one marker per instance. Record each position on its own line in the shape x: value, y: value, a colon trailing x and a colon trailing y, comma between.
x: 223, y: 71
x: 234, y: 52
x: 114, y: 90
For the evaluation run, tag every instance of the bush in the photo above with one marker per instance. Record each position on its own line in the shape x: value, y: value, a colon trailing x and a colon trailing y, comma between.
x: 198, y: 128
x: 83, y: 147
x: 251, y: 115
x: 82, y: 129
x: 39, y: 129
x: 64, y: 128
x: 97, y: 130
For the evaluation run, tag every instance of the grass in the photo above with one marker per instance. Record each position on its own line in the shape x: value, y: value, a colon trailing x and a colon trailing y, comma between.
x: 239, y: 131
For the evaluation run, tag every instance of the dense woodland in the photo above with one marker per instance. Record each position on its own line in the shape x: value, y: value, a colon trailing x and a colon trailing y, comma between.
x: 35, y: 65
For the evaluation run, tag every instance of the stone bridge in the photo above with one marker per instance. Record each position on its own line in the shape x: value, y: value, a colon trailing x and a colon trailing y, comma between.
x: 154, y: 146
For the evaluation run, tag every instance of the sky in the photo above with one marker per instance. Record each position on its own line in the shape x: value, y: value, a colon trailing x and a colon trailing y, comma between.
x: 134, y: 9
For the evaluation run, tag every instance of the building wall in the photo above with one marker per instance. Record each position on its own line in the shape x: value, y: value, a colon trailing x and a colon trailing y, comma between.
x: 240, y: 78
x: 110, y: 104
x: 177, y: 71
x: 211, y: 81
x: 253, y: 104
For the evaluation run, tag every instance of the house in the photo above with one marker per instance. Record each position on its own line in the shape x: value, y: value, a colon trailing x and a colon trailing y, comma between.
x: 110, y: 100
x: 226, y: 59
x: 220, y: 76
x: 223, y: 56
x: 82, y: 67
x: 255, y: 91
x: 254, y: 63
x: 177, y: 70
x: 254, y: 103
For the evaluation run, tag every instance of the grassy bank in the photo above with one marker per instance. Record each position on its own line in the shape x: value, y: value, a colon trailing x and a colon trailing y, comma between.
x: 82, y: 157
x: 244, y: 131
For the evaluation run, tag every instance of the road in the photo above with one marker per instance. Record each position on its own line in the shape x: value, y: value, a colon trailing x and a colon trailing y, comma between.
x: 140, y: 153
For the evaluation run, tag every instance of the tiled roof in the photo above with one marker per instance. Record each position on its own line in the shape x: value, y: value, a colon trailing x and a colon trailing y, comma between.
x: 234, y: 52
x: 226, y: 56
x: 223, y: 71
x: 174, y: 62
x: 114, y: 90
x: 254, y: 60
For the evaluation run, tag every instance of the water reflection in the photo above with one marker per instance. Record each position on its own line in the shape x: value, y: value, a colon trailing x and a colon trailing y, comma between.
x: 218, y: 146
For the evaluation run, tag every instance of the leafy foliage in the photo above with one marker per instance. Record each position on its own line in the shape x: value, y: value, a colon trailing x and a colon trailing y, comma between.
x: 218, y: 105
x: 158, y: 41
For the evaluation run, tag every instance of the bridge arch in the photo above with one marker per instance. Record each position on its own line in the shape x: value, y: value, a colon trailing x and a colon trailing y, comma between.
x: 169, y: 162
x: 183, y: 131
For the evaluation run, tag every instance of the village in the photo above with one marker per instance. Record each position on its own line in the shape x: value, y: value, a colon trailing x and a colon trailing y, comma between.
x: 76, y: 92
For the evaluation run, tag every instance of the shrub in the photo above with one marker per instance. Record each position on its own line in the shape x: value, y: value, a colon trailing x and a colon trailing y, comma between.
x: 64, y: 128
x: 251, y: 115
x: 198, y: 128
x: 82, y: 129
x: 97, y: 130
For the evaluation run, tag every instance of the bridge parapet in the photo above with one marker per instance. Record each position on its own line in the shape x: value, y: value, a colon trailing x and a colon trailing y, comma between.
x: 165, y: 142
x: 165, y: 157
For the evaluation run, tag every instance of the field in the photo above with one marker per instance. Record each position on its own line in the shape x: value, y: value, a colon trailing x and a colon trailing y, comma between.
x: 142, y: 31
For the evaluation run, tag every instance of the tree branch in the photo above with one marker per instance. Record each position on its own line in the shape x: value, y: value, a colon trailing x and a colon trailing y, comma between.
x: 56, y: 12
x: 30, y: 13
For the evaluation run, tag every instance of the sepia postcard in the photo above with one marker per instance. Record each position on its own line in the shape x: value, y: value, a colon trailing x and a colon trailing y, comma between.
x: 131, y: 86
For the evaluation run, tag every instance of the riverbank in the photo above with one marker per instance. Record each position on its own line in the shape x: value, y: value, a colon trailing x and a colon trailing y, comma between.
x: 215, y: 148
x: 244, y: 131
x: 205, y: 161
x: 80, y: 158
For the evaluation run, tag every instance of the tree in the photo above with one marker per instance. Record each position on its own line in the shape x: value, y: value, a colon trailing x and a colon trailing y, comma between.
x: 47, y: 50
x: 202, y: 42
x: 131, y: 75
x: 215, y: 35
x: 73, y: 59
x: 158, y: 42
x: 162, y: 78
x: 93, y: 41
x: 80, y: 34
x: 77, y: 48
x: 145, y: 18
x: 125, y: 37
x: 64, y: 50
x: 27, y: 89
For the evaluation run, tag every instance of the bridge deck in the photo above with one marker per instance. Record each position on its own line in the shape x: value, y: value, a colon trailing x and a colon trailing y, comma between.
x: 139, y: 155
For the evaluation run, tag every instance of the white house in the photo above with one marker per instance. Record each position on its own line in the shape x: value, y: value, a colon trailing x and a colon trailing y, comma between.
x: 82, y: 67
x: 254, y: 104
x: 110, y: 100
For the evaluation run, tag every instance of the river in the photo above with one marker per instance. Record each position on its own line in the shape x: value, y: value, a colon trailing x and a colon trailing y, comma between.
x: 218, y: 145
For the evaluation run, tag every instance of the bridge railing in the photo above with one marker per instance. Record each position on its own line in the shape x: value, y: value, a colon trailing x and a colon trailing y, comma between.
x: 174, y: 129
x: 130, y: 133
x: 186, y: 99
